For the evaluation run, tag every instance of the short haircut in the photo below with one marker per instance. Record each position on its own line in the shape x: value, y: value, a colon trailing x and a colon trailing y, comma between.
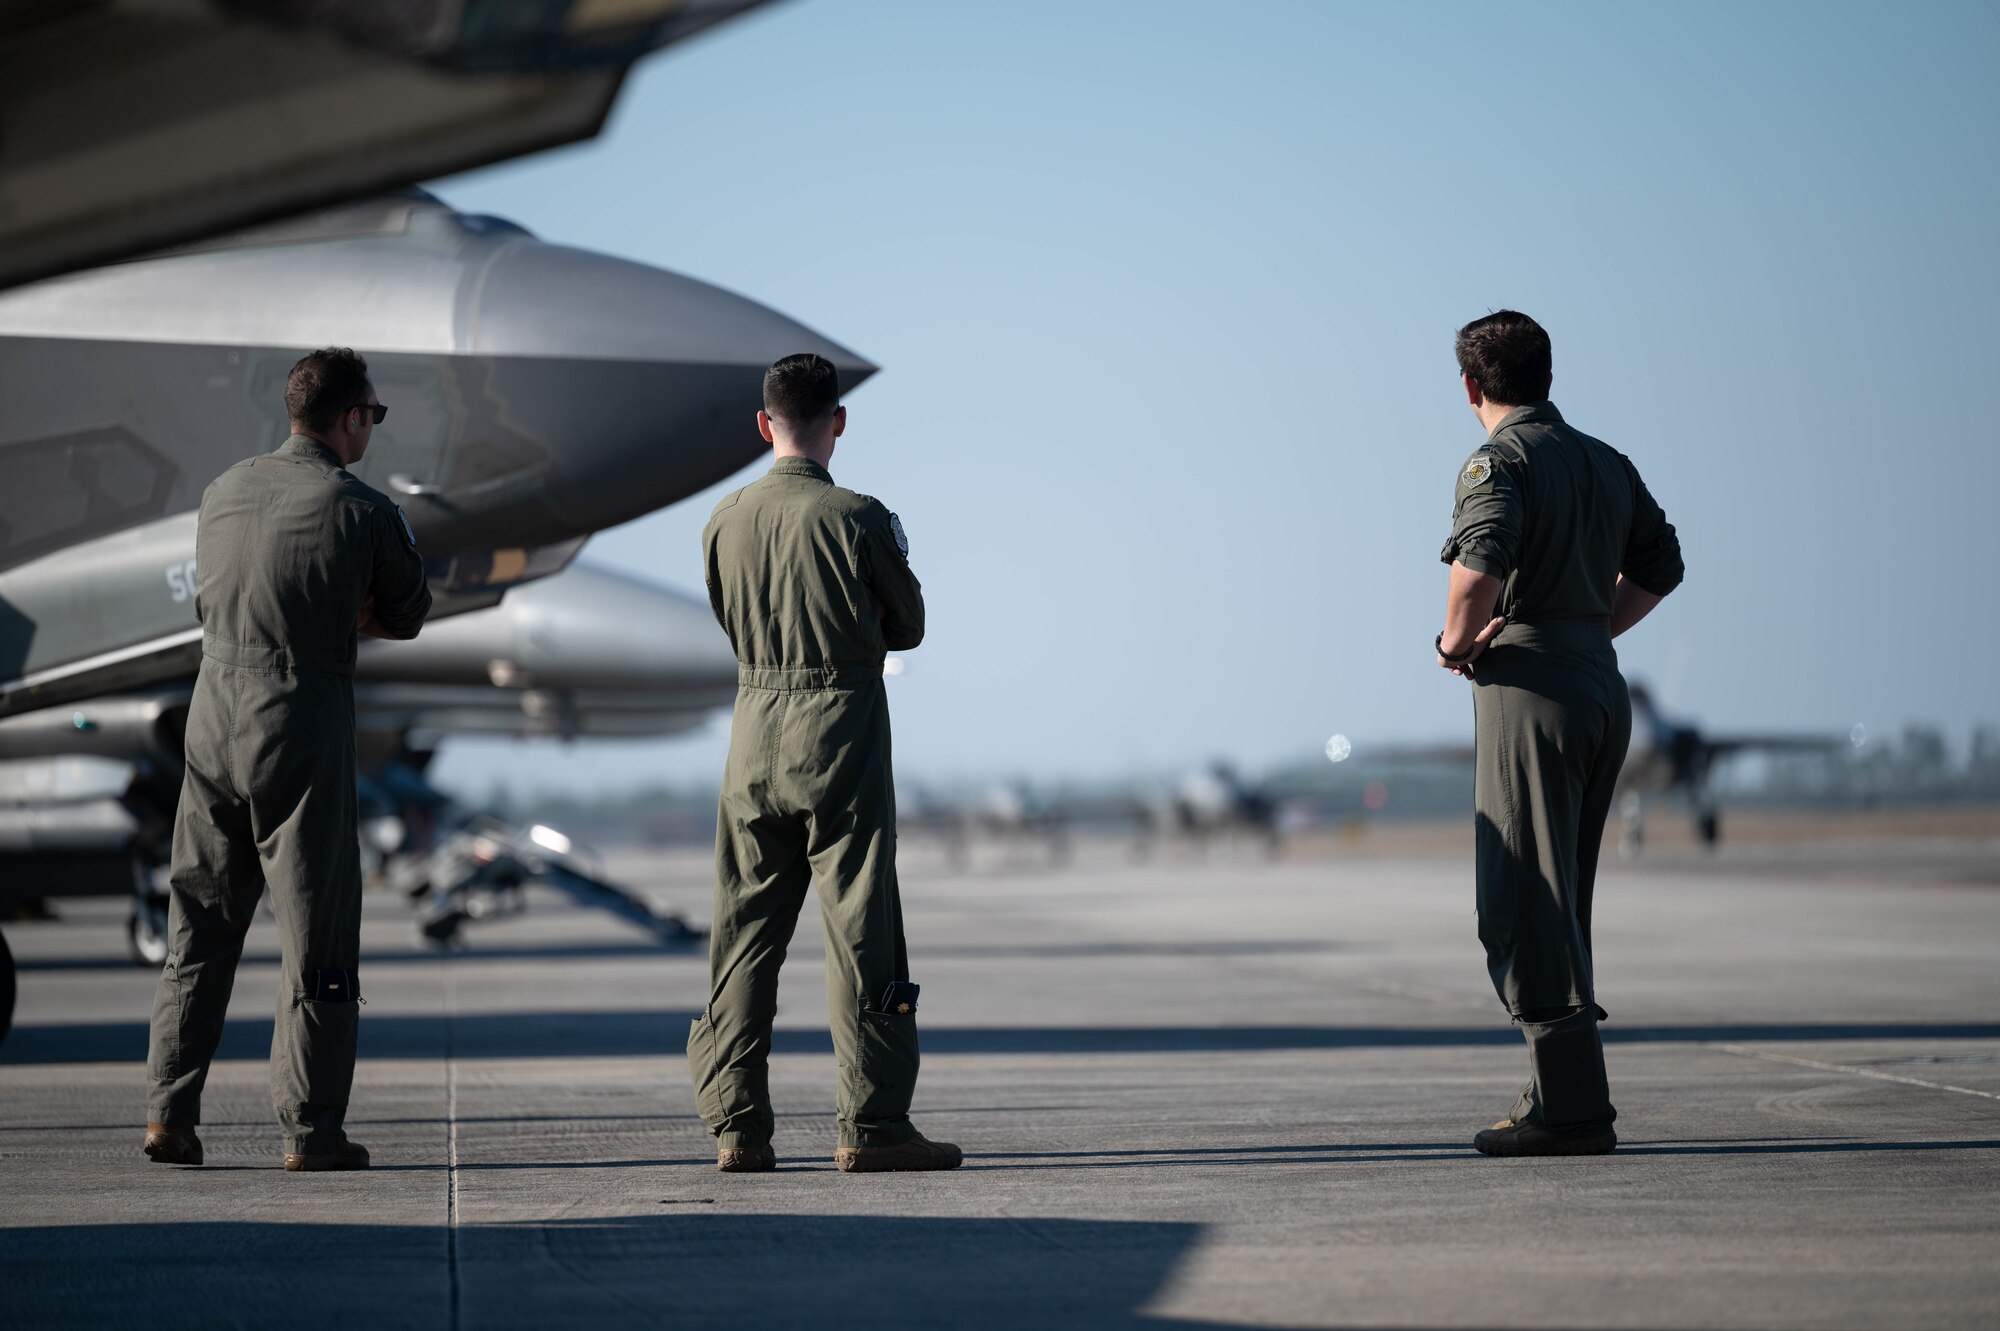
x: 1507, y: 355
x: 325, y: 384
x: 801, y: 390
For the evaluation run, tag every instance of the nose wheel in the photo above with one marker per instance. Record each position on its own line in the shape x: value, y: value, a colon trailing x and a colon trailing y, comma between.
x: 6, y: 989
x: 146, y: 930
x: 1632, y: 825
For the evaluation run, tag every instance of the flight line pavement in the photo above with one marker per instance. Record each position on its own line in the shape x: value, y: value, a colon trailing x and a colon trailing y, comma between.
x: 1205, y: 1091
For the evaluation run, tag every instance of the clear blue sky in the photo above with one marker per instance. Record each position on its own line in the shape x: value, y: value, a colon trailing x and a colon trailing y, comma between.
x: 1164, y: 297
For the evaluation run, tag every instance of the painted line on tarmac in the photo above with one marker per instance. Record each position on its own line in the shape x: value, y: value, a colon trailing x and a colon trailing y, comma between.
x: 1853, y: 1071
x: 451, y: 1132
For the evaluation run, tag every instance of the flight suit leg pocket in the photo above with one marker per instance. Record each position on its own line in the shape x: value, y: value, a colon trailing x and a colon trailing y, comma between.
x: 1497, y: 890
x: 879, y: 1085
x: 706, y: 1071
x: 313, y: 1073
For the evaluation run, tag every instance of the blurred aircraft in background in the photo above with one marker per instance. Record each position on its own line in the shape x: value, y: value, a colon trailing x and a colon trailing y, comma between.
x: 1212, y: 804
x: 1209, y: 806
x: 1668, y: 756
x: 1674, y: 757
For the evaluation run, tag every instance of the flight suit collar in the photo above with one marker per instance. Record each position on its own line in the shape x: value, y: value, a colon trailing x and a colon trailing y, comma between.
x: 305, y: 446
x: 1541, y: 413
x: 797, y: 466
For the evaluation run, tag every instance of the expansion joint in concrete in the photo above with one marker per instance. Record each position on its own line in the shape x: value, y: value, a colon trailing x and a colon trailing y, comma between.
x: 1852, y: 1071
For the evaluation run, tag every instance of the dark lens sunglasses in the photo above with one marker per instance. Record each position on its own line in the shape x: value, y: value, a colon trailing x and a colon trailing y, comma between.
x: 379, y: 410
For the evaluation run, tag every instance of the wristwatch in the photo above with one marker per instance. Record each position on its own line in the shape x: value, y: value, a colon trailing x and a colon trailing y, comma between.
x: 1438, y: 642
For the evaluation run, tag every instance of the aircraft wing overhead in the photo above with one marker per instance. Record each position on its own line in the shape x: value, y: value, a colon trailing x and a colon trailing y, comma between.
x: 136, y: 124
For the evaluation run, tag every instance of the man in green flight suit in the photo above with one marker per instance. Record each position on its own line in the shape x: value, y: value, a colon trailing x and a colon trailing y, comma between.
x: 1556, y: 548
x: 295, y: 557
x: 813, y: 585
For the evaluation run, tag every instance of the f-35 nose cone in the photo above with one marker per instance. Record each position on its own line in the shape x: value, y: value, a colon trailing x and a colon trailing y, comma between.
x: 612, y: 388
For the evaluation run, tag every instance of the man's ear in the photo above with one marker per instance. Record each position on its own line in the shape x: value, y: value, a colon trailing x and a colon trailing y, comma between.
x: 764, y: 427
x: 839, y: 421
x: 1472, y: 393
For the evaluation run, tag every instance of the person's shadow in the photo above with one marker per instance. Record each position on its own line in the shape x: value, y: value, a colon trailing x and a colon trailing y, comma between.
x: 702, y: 1265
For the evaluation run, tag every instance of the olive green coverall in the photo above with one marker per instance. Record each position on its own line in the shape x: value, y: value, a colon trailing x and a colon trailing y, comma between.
x: 813, y: 585
x: 1557, y: 516
x: 288, y: 547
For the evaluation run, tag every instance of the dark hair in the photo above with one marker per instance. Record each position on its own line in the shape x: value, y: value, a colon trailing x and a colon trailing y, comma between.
x: 323, y: 385
x: 1507, y: 355
x: 801, y: 390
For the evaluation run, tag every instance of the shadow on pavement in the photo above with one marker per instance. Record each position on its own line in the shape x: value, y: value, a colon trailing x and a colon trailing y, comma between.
x: 622, y: 1033
x: 1415, y: 1152
x: 699, y: 1269
x: 641, y: 949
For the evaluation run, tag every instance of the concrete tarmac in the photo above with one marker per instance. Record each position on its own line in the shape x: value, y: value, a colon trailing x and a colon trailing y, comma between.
x: 1208, y: 1091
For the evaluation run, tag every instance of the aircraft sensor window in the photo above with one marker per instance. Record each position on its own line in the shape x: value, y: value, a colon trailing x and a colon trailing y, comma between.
x: 60, y: 490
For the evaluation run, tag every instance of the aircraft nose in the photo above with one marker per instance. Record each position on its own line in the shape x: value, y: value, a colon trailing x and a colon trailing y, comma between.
x: 645, y: 383
x: 544, y: 300
x: 594, y: 390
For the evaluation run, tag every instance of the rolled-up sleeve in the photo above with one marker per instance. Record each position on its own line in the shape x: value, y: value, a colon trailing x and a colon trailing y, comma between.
x: 402, y: 593
x: 1486, y: 519
x: 886, y: 569
x: 1652, y: 546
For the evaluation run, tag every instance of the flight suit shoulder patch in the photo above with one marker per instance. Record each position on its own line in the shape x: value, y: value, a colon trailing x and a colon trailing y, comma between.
x: 409, y: 532
x: 896, y: 530
x: 1477, y: 471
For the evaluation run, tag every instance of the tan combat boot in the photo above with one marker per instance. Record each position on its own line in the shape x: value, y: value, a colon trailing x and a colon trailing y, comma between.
x: 746, y: 1159
x: 347, y: 1155
x: 918, y: 1152
x: 172, y: 1146
x: 1510, y: 1138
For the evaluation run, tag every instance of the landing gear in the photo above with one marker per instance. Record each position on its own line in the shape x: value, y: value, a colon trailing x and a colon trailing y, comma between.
x: 146, y: 930
x: 1708, y: 826
x: 1632, y: 825
x: 146, y: 926
x: 6, y: 989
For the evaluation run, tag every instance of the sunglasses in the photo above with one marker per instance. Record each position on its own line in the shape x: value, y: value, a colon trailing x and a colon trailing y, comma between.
x: 377, y: 409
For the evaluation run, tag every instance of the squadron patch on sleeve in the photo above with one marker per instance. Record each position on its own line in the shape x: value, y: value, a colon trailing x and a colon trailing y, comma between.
x: 1478, y: 471
x: 896, y: 530
x: 409, y: 532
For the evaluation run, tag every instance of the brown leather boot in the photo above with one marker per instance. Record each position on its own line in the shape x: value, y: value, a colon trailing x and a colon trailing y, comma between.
x: 172, y: 1146
x: 746, y: 1159
x: 1510, y: 1138
x: 347, y: 1155
x: 918, y: 1152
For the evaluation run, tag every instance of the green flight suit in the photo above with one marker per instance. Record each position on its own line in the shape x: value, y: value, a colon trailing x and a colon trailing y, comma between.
x: 813, y: 585
x: 1557, y: 516
x: 288, y: 547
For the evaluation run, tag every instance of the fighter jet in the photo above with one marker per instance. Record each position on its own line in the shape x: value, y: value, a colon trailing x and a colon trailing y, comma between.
x: 87, y: 794
x: 586, y: 653
x: 1674, y: 757
x: 144, y: 123
x: 1024, y: 826
x: 1667, y: 757
x: 537, y: 394
x: 1213, y: 803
